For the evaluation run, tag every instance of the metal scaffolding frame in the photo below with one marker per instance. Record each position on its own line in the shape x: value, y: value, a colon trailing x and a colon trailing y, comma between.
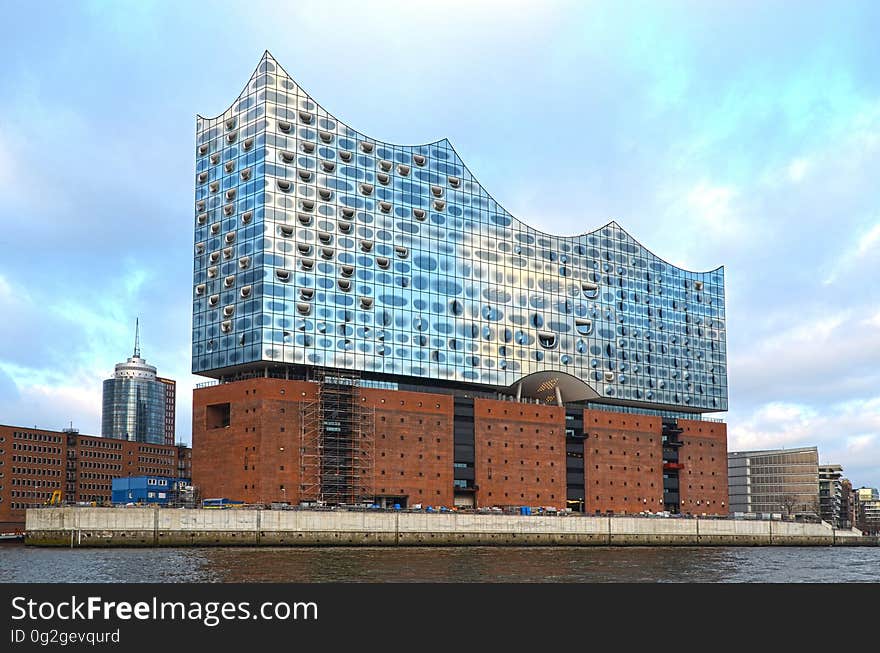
x: 336, y: 449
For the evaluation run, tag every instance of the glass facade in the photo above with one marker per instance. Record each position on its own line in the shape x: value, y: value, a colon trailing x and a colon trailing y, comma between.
x: 134, y: 409
x: 318, y: 246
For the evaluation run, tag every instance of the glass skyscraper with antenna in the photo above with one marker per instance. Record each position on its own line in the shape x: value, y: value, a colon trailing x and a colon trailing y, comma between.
x: 134, y: 402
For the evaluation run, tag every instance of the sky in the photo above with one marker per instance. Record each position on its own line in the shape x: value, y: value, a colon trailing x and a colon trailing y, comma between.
x: 743, y: 134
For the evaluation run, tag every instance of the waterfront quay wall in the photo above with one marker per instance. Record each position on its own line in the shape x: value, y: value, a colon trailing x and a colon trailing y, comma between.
x: 100, y: 527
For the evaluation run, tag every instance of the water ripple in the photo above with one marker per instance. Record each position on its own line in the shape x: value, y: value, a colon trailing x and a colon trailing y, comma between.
x: 435, y: 565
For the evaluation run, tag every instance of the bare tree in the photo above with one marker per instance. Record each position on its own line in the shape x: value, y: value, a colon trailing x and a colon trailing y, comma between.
x: 196, y: 498
x: 789, y: 501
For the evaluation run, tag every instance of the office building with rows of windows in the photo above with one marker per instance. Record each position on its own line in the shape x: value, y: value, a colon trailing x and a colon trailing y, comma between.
x: 775, y: 481
x: 379, y: 328
x: 40, y: 467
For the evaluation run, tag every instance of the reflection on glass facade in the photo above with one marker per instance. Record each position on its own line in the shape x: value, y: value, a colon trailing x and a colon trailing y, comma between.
x: 316, y: 245
x: 134, y: 403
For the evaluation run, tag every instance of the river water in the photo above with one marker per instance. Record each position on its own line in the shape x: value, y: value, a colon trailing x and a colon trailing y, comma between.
x: 422, y: 564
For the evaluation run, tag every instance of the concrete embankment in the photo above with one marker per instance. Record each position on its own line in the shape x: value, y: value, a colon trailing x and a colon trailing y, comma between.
x: 78, y: 527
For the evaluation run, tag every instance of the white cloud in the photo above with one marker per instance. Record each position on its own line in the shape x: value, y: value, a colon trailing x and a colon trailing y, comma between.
x: 712, y: 207
x: 798, y: 169
x: 51, y: 400
x: 6, y: 164
x: 858, y: 444
x: 793, y: 172
x: 772, y: 425
x: 865, y: 248
x: 845, y: 433
x: 79, y: 403
x: 873, y: 320
x: 61, y: 379
x: 869, y: 241
x: 805, y: 354
x: 698, y: 220
x: 5, y: 290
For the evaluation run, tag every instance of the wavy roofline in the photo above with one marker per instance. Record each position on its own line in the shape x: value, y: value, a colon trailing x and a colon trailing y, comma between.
x: 267, y: 55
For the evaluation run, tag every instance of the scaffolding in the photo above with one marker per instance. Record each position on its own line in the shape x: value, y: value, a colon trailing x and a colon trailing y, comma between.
x: 336, y: 449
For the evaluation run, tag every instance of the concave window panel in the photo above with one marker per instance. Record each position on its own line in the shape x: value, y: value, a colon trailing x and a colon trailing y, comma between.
x: 583, y: 326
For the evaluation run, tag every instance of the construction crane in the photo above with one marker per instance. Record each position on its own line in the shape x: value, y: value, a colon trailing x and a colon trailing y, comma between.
x: 55, y: 499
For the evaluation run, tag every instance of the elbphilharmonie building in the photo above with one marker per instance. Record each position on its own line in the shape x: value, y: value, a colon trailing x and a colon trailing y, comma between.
x: 328, y: 257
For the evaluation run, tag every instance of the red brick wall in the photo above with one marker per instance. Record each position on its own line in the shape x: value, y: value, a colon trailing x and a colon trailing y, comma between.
x: 83, y: 471
x: 703, y: 481
x: 244, y: 461
x: 413, y: 445
x: 24, y: 481
x: 413, y: 451
x: 519, y: 454
x: 184, y: 462
x: 623, y: 462
x: 94, y: 462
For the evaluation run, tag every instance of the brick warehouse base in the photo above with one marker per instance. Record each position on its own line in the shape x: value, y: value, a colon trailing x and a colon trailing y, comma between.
x: 248, y: 445
x: 623, y: 462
